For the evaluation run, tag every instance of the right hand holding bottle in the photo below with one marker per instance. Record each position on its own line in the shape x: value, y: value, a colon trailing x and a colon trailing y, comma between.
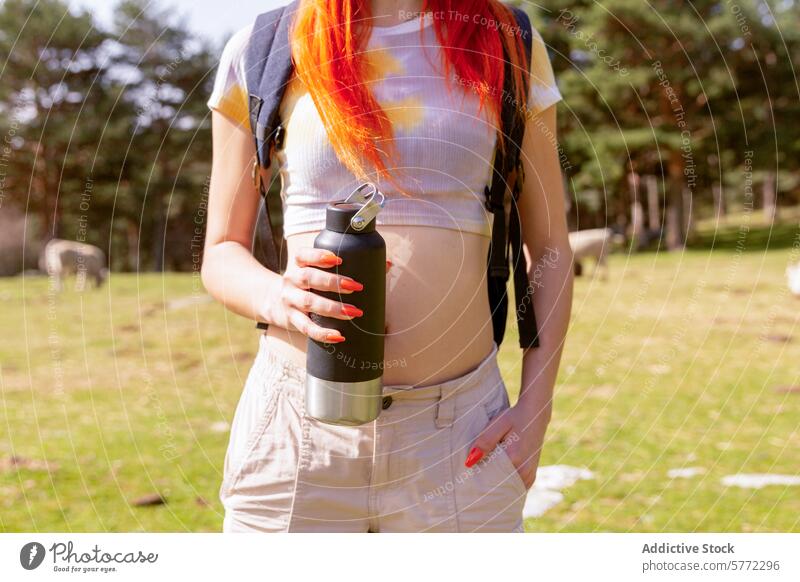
x: 297, y: 300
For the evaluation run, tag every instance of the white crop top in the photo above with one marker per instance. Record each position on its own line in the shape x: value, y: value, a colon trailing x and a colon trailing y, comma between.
x: 443, y: 145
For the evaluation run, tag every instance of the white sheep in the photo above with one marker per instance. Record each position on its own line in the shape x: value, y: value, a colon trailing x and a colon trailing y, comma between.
x: 594, y: 243
x: 61, y: 258
x: 793, y: 278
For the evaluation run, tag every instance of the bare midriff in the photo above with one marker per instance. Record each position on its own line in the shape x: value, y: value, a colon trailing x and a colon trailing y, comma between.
x: 438, y: 323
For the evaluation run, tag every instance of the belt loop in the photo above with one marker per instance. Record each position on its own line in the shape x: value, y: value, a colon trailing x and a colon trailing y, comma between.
x: 445, y: 408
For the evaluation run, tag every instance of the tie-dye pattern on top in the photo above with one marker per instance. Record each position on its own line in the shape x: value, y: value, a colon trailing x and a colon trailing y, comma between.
x: 444, y: 144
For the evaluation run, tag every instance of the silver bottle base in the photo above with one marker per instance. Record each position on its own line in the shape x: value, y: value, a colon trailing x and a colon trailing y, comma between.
x: 343, y: 403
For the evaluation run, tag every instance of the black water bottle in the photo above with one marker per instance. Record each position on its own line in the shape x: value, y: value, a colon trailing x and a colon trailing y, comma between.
x: 344, y: 380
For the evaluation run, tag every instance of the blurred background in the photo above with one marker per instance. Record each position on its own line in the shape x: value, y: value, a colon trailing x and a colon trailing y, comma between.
x: 678, y: 403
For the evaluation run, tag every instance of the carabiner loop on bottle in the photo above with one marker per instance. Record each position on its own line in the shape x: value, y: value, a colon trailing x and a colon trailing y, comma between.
x: 372, y: 204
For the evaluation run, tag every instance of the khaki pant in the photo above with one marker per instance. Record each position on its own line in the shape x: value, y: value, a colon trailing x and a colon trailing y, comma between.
x: 404, y: 472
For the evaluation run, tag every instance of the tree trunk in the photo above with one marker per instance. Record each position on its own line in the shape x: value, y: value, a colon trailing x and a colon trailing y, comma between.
x: 637, y: 229
x: 676, y: 235
x: 132, y: 235
x: 653, y: 203
x: 49, y: 230
x: 770, y: 198
x: 159, y: 235
x: 688, y: 214
x: 720, y: 208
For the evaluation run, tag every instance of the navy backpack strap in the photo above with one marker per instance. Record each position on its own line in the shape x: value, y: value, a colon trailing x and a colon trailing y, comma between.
x: 505, y: 185
x: 268, y: 65
x: 269, y: 69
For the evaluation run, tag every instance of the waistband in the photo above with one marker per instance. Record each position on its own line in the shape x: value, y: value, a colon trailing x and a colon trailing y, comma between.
x: 486, y: 371
x: 469, y: 388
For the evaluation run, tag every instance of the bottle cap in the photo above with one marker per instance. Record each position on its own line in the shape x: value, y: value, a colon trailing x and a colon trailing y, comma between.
x: 356, y: 213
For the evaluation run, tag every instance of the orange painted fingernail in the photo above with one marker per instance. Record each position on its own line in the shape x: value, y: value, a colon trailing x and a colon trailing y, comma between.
x: 350, y: 285
x: 352, y: 311
x: 330, y: 259
x: 475, y: 455
x: 334, y: 338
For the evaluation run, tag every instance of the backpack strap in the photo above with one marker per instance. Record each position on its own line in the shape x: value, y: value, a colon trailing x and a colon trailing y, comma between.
x: 505, y: 185
x: 268, y: 65
x: 269, y: 50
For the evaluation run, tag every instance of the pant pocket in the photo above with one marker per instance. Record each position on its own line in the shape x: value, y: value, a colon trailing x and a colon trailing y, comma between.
x: 490, y: 495
x: 492, y: 408
x: 506, y: 465
x: 253, y: 413
x: 260, y: 490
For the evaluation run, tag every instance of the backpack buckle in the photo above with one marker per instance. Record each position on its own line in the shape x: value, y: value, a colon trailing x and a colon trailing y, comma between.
x: 501, y: 271
x: 519, y: 179
x: 256, y: 173
x: 487, y: 202
x: 278, y: 137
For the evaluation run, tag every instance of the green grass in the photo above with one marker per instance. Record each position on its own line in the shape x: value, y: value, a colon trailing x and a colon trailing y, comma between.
x: 676, y: 361
x: 747, y: 231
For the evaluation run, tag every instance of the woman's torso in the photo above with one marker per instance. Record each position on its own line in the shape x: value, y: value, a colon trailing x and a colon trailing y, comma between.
x: 437, y: 308
x: 438, y: 319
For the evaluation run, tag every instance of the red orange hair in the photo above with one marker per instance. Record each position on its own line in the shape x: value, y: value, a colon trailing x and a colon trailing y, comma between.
x: 328, y: 40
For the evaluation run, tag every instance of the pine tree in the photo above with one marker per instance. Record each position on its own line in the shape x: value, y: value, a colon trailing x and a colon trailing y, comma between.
x: 53, y: 106
x: 171, y: 74
x: 669, y: 87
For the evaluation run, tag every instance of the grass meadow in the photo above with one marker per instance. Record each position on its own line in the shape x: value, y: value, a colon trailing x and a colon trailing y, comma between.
x: 679, y: 360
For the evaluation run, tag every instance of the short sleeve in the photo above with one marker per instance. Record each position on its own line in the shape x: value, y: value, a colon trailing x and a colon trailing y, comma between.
x: 229, y: 95
x: 543, y: 90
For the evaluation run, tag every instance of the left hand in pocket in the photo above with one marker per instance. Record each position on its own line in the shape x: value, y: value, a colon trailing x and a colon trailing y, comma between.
x: 524, y: 449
